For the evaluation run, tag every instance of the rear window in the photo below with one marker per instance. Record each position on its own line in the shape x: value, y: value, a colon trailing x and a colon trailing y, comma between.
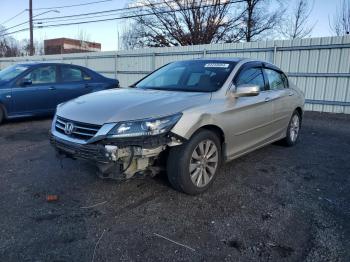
x: 276, y: 79
x: 73, y: 74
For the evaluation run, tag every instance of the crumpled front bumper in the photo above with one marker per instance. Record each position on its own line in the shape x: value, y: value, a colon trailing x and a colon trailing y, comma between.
x: 113, y: 160
x: 94, y: 152
x: 126, y: 156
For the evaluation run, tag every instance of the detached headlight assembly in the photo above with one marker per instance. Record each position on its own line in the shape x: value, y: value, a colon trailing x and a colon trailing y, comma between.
x: 145, y: 127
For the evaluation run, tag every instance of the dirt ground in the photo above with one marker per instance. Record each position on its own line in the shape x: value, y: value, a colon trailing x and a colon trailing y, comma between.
x: 275, y: 204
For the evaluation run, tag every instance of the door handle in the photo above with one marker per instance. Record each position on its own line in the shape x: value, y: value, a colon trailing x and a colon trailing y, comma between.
x: 267, y: 99
x: 87, y: 85
x: 52, y: 88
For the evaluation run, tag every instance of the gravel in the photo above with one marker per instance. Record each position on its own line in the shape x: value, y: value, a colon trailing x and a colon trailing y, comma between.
x: 275, y: 204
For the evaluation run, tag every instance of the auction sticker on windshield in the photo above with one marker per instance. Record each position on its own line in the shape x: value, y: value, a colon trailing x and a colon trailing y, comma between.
x: 217, y: 65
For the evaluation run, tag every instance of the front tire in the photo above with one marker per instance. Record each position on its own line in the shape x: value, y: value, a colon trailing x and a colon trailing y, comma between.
x: 192, y: 166
x: 293, y: 130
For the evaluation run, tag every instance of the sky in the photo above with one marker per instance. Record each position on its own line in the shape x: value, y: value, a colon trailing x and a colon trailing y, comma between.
x: 108, y: 33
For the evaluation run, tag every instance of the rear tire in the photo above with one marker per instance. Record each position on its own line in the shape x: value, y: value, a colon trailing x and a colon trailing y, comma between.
x: 293, y: 130
x: 193, y: 166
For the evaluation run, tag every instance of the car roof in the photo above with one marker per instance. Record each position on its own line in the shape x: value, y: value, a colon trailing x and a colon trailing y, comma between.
x: 42, y: 63
x: 233, y: 59
x: 237, y: 60
x: 221, y: 59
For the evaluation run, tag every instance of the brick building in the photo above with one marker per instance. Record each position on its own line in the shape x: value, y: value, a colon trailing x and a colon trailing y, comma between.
x: 68, y: 46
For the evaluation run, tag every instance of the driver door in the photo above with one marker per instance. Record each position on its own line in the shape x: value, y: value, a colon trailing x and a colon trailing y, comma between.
x: 36, y: 91
x: 251, y: 116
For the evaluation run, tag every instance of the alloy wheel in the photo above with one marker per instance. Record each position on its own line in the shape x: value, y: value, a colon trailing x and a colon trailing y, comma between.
x: 204, y: 162
x: 294, y: 128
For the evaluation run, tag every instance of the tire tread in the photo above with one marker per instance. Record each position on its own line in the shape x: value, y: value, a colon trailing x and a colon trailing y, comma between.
x: 178, y: 158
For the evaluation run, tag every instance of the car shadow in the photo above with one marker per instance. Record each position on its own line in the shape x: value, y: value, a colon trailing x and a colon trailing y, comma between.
x: 26, y: 119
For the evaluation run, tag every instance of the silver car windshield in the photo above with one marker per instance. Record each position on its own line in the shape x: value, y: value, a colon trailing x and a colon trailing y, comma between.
x: 190, y: 76
x: 11, y: 72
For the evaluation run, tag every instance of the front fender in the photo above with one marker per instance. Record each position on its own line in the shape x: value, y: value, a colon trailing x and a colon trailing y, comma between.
x: 190, y: 122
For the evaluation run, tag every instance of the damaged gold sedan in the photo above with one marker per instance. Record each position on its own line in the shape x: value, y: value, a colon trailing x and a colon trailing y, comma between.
x: 186, y: 118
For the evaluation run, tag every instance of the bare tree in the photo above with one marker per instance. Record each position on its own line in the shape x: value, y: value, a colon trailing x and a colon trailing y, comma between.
x: 185, y: 22
x: 8, y: 45
x: 24, y: 47
x: 340, y: 23
x: 134, y: 37
x: 296, y: 24
x: 9, y: 48
x: 83, y: 37
x: 258, y: 19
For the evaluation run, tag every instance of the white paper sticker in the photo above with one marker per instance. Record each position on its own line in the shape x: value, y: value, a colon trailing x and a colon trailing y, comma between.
x: 217, y: 65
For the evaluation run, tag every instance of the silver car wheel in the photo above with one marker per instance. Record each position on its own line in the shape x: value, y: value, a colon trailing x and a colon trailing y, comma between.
x: 204, y: 162
x: 294, y: 128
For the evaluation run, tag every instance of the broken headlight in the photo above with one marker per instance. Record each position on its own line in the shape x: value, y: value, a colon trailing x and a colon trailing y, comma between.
x: 145, y: 127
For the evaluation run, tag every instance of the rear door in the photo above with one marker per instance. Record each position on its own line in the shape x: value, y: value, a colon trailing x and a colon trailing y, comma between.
x: 38, y: 95
x: 73, y: 82
x: 281, y: 98
x: 252, y: 115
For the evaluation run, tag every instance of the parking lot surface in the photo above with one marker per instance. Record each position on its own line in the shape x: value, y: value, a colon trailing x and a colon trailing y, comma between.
x: 275, y: 204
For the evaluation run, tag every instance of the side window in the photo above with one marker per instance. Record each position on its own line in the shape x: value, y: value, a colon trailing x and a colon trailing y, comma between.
x: 42, y: 75
x: 73, y: 74
x: 276, y: 80
x: 251, y: 76
x: 285, y: 81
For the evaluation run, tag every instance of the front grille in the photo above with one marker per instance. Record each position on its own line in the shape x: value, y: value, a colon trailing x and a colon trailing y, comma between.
x: 81, y: 130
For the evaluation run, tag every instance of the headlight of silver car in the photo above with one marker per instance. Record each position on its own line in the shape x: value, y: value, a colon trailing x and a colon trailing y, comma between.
x: 145, y: 127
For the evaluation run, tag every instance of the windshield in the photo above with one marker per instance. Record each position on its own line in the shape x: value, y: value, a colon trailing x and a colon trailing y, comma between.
x: 11, y: 72
x: 190, y: 76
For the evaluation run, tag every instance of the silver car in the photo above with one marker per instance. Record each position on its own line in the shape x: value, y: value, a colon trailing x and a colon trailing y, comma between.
x: 185, y: 118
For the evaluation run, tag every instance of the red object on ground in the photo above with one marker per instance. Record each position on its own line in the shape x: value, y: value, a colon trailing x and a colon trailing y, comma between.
x: 51, y: 198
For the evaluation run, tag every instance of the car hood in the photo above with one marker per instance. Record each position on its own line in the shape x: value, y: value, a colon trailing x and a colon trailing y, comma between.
x: 128, y: 104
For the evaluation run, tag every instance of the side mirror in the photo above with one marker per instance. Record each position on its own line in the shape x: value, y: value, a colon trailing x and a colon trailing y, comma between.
x: 247, y: 90
x: 26, y: 82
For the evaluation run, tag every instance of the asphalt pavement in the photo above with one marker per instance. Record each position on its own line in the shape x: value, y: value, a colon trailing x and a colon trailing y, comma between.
x: 275, y: 204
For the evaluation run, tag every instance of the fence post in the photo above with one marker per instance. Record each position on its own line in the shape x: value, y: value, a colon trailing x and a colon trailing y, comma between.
x: 115, y: 64
x: 274, y: 53
x: 204, y: 52
x: 153, y: 62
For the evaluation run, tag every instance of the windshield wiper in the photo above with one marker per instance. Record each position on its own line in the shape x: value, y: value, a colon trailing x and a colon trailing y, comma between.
x: 163, y: 89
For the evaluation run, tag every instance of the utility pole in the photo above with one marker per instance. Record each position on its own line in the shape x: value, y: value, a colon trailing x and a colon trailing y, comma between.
x: 31, y: 40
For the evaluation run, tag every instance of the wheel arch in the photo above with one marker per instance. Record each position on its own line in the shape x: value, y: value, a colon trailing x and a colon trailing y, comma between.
x: 3, y: 108
x: 300, y: 112
x: 217, y: 130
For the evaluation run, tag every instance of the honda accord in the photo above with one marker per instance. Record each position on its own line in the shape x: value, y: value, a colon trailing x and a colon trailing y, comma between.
x: 186, y: 118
